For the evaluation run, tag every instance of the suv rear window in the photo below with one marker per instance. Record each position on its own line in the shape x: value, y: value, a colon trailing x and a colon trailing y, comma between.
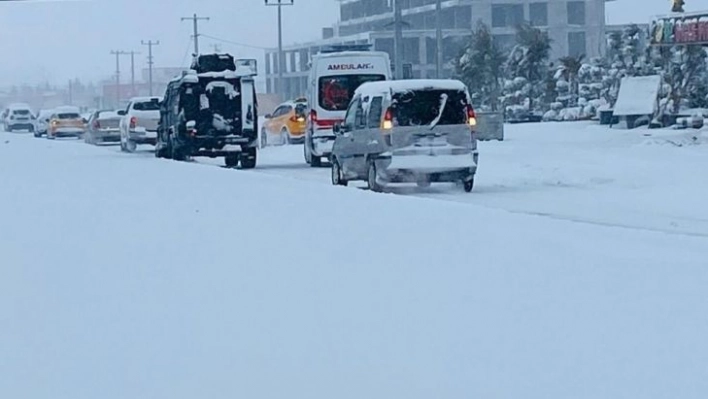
x: 335, y: 92
x: 20, y: 112
x: 69, y: 115
x: 422, y: 107
x: 153, y: 105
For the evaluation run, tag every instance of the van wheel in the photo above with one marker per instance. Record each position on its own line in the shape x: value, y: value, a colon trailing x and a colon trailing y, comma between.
x: 315, y: 162
x: 306, y: 154
x: 372, y: 176
x: 469, y: 184
x: 337, y: 175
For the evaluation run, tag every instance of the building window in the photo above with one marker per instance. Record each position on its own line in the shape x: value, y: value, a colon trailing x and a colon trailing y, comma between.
x: 504, y: 42
x: 576, y: 12
x: 267, y: 63
x: 463, y: 17
x: 269, y: 86
x: 507, y: 15
x: 576, y: 44
x: 538, y: 14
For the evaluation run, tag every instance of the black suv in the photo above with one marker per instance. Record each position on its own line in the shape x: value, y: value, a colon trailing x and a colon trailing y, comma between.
x: 210, y: 111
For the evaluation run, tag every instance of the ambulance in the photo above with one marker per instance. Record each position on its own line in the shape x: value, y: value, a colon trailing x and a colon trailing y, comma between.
x: 335, y: 74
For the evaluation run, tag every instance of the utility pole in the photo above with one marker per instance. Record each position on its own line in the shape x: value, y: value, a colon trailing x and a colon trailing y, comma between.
x: 71, y: 94
x: 398, y: 39
x: 439, y: 39
x: 281, y: 57
x: 132, y: 71
x: 118, y: 53
x: 195, y: 19
x: 150, y: 43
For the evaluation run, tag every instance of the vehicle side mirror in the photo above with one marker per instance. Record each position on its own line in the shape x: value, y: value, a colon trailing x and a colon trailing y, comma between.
x: 121, y: 112
x: 85, y: 120
x: 337, y: 128
x: 268, y: 116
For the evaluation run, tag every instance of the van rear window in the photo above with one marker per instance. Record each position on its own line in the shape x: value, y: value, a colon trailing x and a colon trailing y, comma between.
x: 335, y: 92
x: 422, y: 107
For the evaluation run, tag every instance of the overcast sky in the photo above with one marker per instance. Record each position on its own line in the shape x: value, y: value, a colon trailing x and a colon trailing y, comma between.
x: 57, y: 40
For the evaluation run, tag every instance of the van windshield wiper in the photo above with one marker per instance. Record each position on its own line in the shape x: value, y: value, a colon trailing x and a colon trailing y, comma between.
x: 443, y: 102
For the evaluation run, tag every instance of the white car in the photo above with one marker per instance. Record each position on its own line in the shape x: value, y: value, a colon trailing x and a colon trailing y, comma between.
x: 19, y: 117
x: 139, y: 122
x: 43, y: 122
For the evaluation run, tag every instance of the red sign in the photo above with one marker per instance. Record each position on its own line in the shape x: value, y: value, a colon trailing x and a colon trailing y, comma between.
x: 691, y: 29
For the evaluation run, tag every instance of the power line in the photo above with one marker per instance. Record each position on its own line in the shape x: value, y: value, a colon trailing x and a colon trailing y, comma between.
x: 233, y: 42
x: 195, y: 19
x: 150, y: 43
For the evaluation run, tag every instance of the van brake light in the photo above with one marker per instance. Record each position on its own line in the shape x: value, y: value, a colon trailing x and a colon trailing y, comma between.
x: 388, y: 119
x: 471, y: 116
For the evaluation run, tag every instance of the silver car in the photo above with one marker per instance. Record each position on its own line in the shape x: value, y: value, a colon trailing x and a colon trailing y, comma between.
x: 407, y: 131
x: 103, y: 127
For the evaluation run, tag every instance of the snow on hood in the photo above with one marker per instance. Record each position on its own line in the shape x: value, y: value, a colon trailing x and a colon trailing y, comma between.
x: 228, y: 88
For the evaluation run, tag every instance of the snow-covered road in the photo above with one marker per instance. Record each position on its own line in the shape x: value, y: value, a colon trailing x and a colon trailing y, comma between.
x: 572, y: 171
x: 126, y: 276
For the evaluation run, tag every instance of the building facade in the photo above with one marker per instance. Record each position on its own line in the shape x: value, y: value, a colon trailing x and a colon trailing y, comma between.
x: 575, y: 27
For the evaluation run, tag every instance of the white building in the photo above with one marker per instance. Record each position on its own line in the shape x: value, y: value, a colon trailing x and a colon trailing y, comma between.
x: 574, y: 26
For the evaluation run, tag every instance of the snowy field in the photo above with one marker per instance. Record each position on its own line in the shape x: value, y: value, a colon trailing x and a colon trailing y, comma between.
x: 576, y: 269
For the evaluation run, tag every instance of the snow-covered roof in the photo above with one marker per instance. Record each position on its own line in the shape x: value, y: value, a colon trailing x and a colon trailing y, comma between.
x: 19, y: 106
x: 339, y: 54
x: 68, y: 109
x: 145, y: 99
x: 240, y: 71
x: 108, y: 114
x: 398, y: 86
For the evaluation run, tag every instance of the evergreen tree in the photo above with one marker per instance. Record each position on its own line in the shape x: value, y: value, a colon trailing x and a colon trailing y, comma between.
x: 480, y: 67
x: 529, y: 61
x: 569, y: 70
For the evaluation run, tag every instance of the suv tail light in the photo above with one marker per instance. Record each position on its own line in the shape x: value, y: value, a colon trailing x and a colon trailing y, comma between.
x: 388, y: 119
x: 471, y: 116
x: 133, y: 122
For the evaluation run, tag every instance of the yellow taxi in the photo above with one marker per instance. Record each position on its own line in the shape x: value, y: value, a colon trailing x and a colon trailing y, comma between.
x: 286, y: 125
x: 66, y: 122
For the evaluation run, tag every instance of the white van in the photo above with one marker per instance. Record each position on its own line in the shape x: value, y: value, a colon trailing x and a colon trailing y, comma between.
x: 334, y: 76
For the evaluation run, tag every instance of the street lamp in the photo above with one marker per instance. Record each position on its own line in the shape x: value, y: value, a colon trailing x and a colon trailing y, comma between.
x: 281, y: 63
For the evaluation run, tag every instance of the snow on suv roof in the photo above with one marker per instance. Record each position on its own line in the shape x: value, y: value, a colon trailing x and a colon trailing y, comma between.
x: 19, y: 106
x: 145, y: 99
x: 386, y: 86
